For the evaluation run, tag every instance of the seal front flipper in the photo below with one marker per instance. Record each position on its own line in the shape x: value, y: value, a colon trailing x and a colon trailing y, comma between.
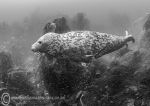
x: 88, y: 58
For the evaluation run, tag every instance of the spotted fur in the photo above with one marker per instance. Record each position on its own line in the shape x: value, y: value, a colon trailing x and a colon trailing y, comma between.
x: 85, y: 42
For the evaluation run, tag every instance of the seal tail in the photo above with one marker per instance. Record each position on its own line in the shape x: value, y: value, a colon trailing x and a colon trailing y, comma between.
x: 129, y: 37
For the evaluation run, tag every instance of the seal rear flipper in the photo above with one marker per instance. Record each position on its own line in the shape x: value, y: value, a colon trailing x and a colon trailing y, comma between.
x: 129, y: 37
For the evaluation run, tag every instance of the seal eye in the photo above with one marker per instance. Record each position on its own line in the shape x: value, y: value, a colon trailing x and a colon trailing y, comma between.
x: 40, y: 42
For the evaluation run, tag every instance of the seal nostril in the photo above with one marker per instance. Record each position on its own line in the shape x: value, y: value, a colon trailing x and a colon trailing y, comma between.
x: 32, y: 48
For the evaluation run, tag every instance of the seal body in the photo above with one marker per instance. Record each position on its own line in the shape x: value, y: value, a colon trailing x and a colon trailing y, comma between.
x: 85, y: 43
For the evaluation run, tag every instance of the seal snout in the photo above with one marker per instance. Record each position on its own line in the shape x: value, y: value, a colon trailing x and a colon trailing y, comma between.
x: 33, y: 48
